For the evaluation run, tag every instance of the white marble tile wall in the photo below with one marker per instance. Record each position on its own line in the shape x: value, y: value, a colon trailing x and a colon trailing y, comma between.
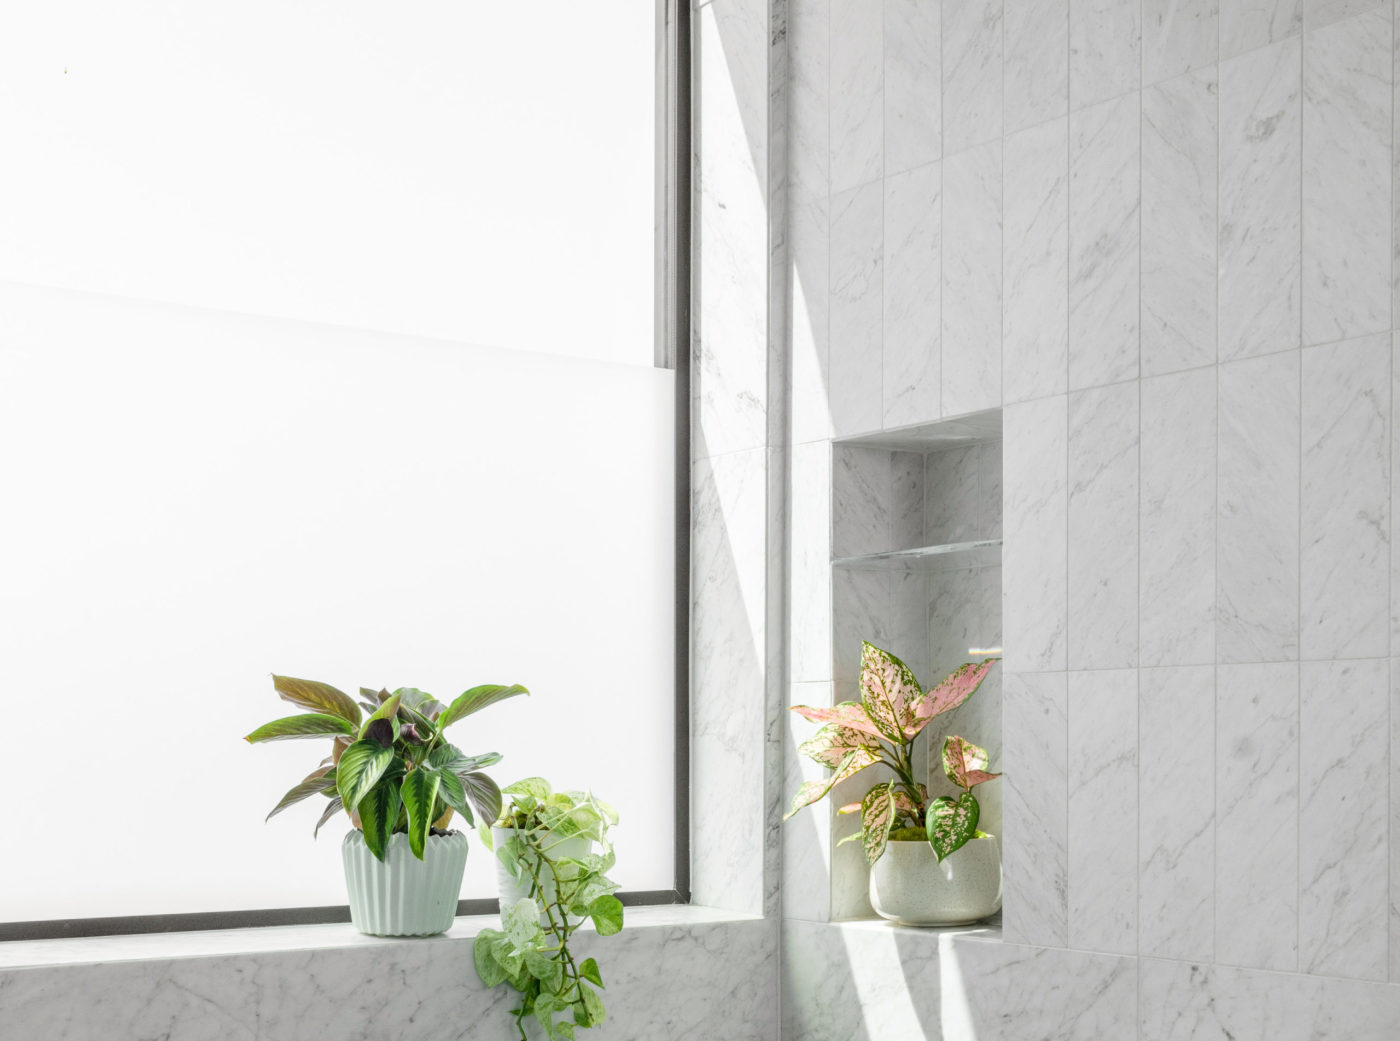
x: 1105, y: 50
x: 1178, y: 36
x: 972, y: 60
x: 913, y: 113
x: 972, y: 298
x: 1035, y: 36
x: 1246, y: 25
x: 912, y: 361
x: 856, y: 310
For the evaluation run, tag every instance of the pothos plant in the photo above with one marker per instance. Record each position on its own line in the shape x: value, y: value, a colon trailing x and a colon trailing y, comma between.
x: 391, y: 770
x: 531, y: 951
x: 880, y: 729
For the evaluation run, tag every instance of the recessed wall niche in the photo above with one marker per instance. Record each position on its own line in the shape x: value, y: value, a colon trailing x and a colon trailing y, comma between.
x: 916, y: 569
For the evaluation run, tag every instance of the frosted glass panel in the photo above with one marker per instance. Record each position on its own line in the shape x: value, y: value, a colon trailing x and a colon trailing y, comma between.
x: 481, y: 172
x: 194, y: 500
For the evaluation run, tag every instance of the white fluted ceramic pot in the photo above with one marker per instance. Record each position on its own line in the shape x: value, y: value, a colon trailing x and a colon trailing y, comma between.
x: 513, y: 889
x: 402, y: 895
x: 909, y: 886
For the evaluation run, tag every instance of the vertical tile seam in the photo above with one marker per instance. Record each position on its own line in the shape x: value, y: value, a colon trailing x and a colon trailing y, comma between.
x: 1069, y: 343
x: 1215, y: 535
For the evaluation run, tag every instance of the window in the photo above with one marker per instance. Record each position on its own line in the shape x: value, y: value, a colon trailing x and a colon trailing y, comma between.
x: 327, y: 348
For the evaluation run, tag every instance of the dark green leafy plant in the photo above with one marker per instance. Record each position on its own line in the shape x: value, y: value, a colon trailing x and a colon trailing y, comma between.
x: 392, y: 771
x: 531, y: 951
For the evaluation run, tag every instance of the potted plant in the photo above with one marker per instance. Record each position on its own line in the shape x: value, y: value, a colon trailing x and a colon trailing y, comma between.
x: 929, y: 863
x: 552, y: 880
x: 400, y: 781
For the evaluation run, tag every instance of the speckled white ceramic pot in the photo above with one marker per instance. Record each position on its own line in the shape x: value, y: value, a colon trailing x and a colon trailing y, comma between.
x: 402, y: 895
x: 909, y: 886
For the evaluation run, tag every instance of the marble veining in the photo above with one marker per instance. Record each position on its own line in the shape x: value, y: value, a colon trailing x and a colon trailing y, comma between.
x: 1256, y: 814
x: 1260, y: 200
x: 1343, y: 870
x: 1179, y: 159
x: 1347, y: 155
x: 1346, y: 499
x: 1320, y: 13
x: 856, y: 90
x: 1103, y: 527
x: 809, y: 99
x: 1036, y: 69
x: 972, y: 294
x: 1178, y: 36
x: 1257, y: 509
x: 1105, y: 50
x: 1104, y: 239
x: 913, y: 81
x: 1177, y: 519
x: 1246, y: 25
x: 971, y: 73
x: 857, y: 308
x: 952, y: 508
x: 1034, y: 331
x: 1176, y: 831
x: 912, y: 319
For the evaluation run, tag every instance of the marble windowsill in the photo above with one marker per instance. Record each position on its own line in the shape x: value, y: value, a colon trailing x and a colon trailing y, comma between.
x: 95, y: 950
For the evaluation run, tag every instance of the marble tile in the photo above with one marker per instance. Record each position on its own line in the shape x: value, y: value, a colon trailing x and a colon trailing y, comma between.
x: 951, y: 491
x: 1395, y: 498
x: 857, y: 279
x: 1345, y: 521
x: 1035, y: 851
x: 809, y: 254
x: 972, y: 280
x: 1179, y: 190
x: 1320, y: 13
x: 1246, y: 25
x: 1343, y: 857
x: 1036, y: 523
x: 1035, y: 78
x: 1003, y: 992
x: 1103, y: 527
x: 809, y: 102
x: 1260, y: 215
x: 1256, y: 815
x: 912, y: 299
x: 1176, y: 832
x: 856, y: 92
x: 806, y: 837
x: 913, y: 84
x: 878, y: 500
x: 1104, y: 238
x: 1395, y: 180
x: 1179, y: 36
x: 1187, y: 1002
x: 1257, y: 529
x: 1103, y: 810
x: 809, y: 649
x: 1105, y: 50
x: 1347, y: 178
x: 860, y: 603
x: 1035, y: 313
x: 971, y: 74
x: 989, y: 482
x: 728, y: 655
x: 1177, y: 519
x: 729, y: 343
x: 340, y: 992
x: 1393, y: 914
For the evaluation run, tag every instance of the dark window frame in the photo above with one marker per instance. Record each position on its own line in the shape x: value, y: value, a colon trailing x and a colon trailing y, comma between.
x: 672, y: 351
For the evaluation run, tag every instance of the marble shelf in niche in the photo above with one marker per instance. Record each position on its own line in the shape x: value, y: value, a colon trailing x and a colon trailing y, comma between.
x: 948, y: 556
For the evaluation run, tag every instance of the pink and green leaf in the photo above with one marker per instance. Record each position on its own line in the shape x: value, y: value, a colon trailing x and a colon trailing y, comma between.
x: 832, y: 743
x: 849, y: 714
x: 964, y: 763
x: 957, y: 687
x: 887, y: 690
x: 952, y: 823
x: 877, y: 812
x: 812, y: 791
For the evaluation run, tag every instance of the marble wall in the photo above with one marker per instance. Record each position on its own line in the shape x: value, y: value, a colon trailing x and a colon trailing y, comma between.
x: 1159, y: 235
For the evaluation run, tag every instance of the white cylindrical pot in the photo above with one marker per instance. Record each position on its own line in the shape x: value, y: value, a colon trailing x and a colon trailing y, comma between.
x: 909, y: 886
x: 402, y: 895
x: 513, y: 889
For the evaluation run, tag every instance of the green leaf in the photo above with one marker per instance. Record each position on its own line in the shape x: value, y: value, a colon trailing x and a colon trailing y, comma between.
x: 420, y: 789
x: 317, y: 697
x: 491, y: 971
x: 475, y: 700
x: 535, y: 787
x: 606, y: 913
x: 378, y: 810
x: 419, y: 701
x: 314, y: 782
x: 313, y: 724
x: 483, y: 793
x: 332, y: 809
x: 951, y: 824
x: 593, y: 1005
x: 565, y: 1029
x: 450, y: 757
x: 549, y: 971
x: 360, y: 768
x: 811, y: 791
x: 453, y: 794
x: 521, y: 921
x: 589, y: 971
x: 877, y: 818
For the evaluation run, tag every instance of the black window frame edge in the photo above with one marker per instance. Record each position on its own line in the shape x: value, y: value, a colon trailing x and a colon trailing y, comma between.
x: 672, y: 351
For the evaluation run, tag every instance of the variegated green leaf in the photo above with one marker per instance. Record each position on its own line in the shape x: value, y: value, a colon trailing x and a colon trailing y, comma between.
x: 877, y: 820
x: 483, y: 793
x: 317, y: 697
x: 419, y: 701
x: 951, y: 824
x: 850, y: 714
x: 317, y: 781
x: 957, y: 687
x: 475, y: 700
x: 887, y: 689
x: 964, y: 763
x: 359, y: 769
x: 811, y: 791
x: 334, y: 807
x: 420, y: 790
x: 452, y: 792
x: 832, y: 743
x: 378, y: 811
x: 312, y: 724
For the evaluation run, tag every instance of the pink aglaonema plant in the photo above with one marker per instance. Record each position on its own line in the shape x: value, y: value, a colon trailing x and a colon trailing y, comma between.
x: 880, y: 728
